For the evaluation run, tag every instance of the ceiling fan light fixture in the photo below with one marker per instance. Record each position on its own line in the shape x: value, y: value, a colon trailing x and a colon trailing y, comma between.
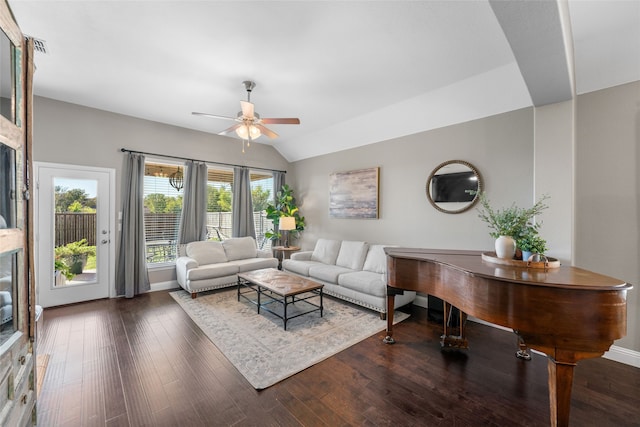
x: 242, y: 132
x: 248, y: 131
x: 254, y: 132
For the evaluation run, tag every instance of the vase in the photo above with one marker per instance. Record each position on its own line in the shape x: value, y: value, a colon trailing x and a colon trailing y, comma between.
x: 505, y: 247
x: 526, y: 255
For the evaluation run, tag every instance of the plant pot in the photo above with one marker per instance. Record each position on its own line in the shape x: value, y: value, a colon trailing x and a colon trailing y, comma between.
x: 526, y: 255
x: 59, y: 278
x: 505, y: 247
x: 77, y: 263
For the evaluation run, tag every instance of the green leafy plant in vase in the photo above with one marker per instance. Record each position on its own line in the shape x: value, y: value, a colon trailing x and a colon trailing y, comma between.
x: 509, y: 224
x: 531, y: 243
x: 285, y: 206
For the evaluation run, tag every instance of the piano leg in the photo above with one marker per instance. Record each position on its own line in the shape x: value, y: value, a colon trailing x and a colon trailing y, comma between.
x: 454, y: 321
x: 560, y: 383
x: 523, y: 350
x: 391, y: 304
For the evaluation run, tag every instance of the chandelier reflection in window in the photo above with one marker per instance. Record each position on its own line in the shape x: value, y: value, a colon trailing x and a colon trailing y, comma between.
x: 176, y: 179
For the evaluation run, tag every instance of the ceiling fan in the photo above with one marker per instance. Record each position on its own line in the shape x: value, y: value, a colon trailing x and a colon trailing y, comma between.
x: 249, y: 125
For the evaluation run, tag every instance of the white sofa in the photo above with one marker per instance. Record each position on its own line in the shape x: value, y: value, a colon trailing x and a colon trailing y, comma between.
x: 351, y: 270
x: 207, y: 265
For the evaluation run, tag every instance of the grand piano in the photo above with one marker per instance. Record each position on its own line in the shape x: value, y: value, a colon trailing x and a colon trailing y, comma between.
x: 568, y: 313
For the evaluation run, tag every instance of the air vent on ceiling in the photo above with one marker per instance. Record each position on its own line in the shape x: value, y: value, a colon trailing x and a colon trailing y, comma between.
x: 39, y: 45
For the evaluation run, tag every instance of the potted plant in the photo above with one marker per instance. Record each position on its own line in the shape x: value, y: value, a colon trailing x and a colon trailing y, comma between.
x: 75, y: 254
x: 285, y: 206
x: 531, y: 243
x: 61, y: 271
x: 509, y: 224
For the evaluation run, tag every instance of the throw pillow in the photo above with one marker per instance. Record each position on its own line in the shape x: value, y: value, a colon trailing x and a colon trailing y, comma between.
x: 240, y: 248
x: 206, y: 252
x: 352, y: 254
x: 326, y: 251
x: 376, y: 260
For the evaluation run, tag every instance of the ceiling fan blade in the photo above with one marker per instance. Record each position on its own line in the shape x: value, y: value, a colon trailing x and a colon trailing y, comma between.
x: 247, y: 109
x: 214, y: 116
x: 281, y: 121
x: 267, y: 132
x: 231, y: 129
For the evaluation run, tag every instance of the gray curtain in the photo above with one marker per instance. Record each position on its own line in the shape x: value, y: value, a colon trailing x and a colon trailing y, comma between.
x: 193, y: 220
x: 242, y: 223
x: 278, y: 182
x: 132, y: 277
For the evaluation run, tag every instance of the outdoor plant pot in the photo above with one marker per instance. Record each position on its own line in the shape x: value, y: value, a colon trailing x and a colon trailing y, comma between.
x: 76, y: 264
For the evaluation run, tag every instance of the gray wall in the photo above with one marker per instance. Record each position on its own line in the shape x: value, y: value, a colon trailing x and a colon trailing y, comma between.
x: 72, y: 134
x: 500, y: 147
x: 608, y: 191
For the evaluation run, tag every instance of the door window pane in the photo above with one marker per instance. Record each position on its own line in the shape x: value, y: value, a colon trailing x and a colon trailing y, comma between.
x: 8, y: 206
x: 7, y: 51
x: 75, y: 235
x: 9, y: 278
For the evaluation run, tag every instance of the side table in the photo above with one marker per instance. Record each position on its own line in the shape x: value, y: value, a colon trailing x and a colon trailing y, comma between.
x: 283, y: 253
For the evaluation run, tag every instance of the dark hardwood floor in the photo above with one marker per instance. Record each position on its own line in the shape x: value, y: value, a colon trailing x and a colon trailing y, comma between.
x: 143, y: 362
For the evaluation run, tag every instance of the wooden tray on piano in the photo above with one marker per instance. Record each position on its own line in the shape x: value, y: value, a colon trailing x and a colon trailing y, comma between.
x: 493, y: 258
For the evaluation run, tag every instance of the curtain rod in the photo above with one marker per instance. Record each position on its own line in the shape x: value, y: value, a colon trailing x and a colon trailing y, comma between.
x: 196, y: 160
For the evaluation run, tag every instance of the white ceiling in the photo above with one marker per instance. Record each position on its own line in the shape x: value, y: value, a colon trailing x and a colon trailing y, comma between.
x: 354, y: 72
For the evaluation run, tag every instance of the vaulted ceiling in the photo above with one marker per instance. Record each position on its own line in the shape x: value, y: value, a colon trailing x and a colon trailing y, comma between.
x: 354, y: 72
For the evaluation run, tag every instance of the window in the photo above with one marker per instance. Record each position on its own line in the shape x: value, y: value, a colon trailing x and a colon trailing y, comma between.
x: 262, y: 194
x: 219, y: 184
x: 163, y: 205
x: 162, y: 208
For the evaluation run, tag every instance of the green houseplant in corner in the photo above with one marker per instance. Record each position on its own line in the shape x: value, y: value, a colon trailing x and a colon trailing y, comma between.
x: 285, y: 206
x: 509, y: 224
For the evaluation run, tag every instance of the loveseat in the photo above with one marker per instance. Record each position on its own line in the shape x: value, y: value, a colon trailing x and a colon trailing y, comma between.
x: 208, y: 265
x: 351, y: 270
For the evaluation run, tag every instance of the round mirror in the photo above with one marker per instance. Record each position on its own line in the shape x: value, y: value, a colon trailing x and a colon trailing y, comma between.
x: 454, y: 186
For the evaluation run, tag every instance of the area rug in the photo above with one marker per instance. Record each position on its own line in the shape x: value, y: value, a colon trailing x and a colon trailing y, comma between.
x: 259, y: 347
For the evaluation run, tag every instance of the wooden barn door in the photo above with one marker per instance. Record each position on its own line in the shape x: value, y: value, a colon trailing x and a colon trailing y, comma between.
x: 17, y: 282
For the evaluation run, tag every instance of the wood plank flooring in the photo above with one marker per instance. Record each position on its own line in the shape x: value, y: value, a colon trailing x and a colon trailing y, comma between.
x: 143, y: 362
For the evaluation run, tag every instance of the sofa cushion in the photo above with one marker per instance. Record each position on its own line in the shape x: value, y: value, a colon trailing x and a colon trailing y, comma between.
x: 327, y: 273
x: 249, y: 264
x: 206, y: 252
x: 376, y: 260
x: 352, y: 254
x: 366, y: 282
x: 240, y: 248
x: 300, y: 267
x: 326, y: 251
x: 212, y: 271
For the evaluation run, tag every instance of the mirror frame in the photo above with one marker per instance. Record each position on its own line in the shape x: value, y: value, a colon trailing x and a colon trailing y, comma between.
x: 470, y: 204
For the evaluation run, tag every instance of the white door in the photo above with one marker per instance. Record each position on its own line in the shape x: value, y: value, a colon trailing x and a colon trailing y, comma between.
x: 74, y: 233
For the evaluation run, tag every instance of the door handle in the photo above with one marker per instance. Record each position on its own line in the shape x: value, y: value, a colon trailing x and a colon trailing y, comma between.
x: 104, y: 241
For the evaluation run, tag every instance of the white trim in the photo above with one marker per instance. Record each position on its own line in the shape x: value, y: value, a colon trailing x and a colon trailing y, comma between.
x: 165, y: 286
x: 615, y: 353
x: 623, y: 355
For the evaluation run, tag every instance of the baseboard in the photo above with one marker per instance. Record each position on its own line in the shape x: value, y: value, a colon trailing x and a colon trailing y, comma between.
x: 164, y: 286
x: 615, y: 353
x: 623, y: 355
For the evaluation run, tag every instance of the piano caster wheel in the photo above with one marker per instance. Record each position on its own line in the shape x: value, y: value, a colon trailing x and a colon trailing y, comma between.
x: 523, y: 354
x: 388, y: 340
